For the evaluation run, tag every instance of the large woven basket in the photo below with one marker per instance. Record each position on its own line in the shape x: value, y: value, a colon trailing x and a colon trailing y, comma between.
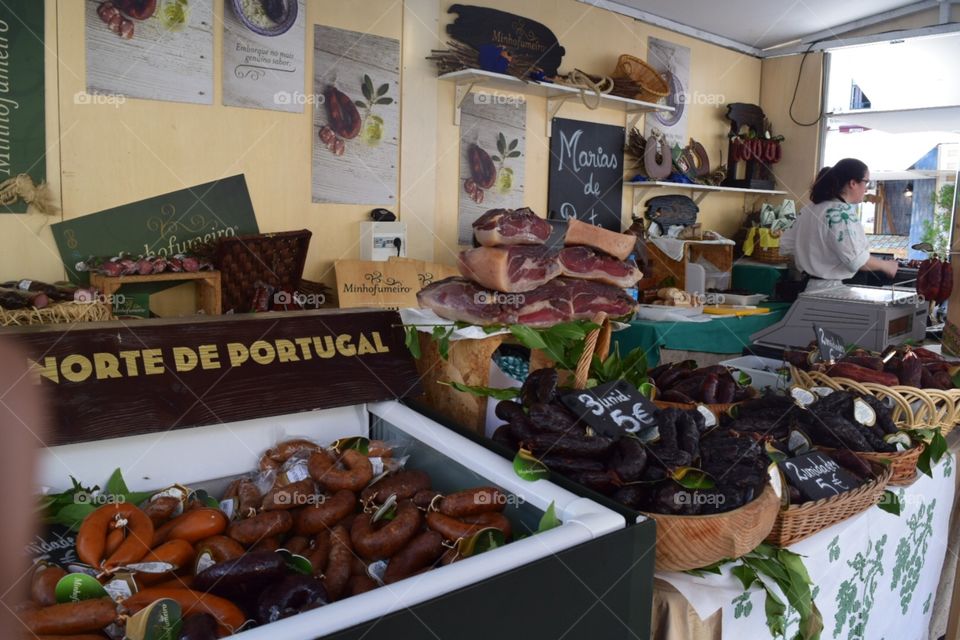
x: 903, y: 464
x: 768, y: 255
x: 798, y: 522
x: 56, y: 313
x: 691, y: 542
x: 649, y: 86
x: 275, y: 259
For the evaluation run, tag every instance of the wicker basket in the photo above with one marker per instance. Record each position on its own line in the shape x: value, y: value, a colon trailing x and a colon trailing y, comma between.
x: 276, y: 259
x: 691, y: 542
x: 799, y: 522
x: 716, y: 409
x: 57, y: 313
x: 902, y: 463
x: 632, y: 73
x: 769, y: 256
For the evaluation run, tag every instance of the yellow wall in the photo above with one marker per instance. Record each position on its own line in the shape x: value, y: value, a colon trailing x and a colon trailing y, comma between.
x: 106, y: 155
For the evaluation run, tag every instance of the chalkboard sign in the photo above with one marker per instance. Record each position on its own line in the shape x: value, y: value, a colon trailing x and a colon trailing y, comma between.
x: 817, y: 476
x: 613, y: 408
x: 586, y: 172
x: 479, y: 26
x: 831, y: 344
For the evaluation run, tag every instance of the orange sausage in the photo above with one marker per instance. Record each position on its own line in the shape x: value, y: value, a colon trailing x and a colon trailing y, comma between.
x: 44, y: 583
x: 229, y: 616
x: 193, y: 526
x: 71, y: 617
x: 114, y: 540
x: 177, y: 552
x: 357, y: 475
x: 92, y: 536
x: 221, y: 548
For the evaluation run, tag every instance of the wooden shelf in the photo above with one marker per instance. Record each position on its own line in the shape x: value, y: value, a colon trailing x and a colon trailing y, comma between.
x: 697, y: 191
x: 556, y: 94
x: 208, y: 285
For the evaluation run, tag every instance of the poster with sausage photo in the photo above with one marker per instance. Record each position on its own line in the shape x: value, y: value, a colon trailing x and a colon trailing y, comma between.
x: 356, y: 117
x: 155, y: 50
x: 263, y: 54
x: 492, y: 156
x: 672, y: 61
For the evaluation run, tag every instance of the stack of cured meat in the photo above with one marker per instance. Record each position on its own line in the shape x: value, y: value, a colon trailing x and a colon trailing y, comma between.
x: 526, y: 272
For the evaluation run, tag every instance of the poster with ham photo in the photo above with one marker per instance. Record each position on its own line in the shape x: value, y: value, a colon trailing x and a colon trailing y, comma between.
x: 492, y: 157
x: 263, y: 54
x: 156, y: 50
x: 356, y: 117
x: 672, y: 61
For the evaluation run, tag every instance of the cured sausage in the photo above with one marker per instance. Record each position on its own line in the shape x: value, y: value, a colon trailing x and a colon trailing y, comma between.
x: 92, y: 536
x: 357, y: 475
x: 291, y: 496
x: 404, y: 484
x: 192, y: 526
x: 376, y: 544
x: 245, y: 574
x: 44, y: 583
x: 421, y: 552
x: 229, y: 616
x: 264, y: 525
x: 221, y: 548
x: 338, y: 565
x: 161, y: 509
x: 320, y: 517
x: 70, y: 617
x: 472, y: 502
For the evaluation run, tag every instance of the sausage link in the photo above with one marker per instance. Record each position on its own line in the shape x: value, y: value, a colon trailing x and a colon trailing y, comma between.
x: 404, y: 484
x: 283, y: 451
x: 177, y: 552
x: 357, y: 475
x: 338, y: 565
x: 297, y: 545
x: 161, y: 509
x: 472, y: 502
x: 192, y: 526
x: 291, y: 496
x: 491, y: 519
x: 221, y: 548
x: 360, y: 584
x: 264, y: 525
x: 377, y: 544
x: 71, y: 617
x: 320, y: 517
x: 114, y: 540
x: 451, y: 528
x: 319, y: 554
x: 92, y: 536
x: 421, y: 552
x: 43, y: 585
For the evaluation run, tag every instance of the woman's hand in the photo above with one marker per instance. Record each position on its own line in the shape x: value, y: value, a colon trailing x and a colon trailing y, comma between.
x: 886, y: 267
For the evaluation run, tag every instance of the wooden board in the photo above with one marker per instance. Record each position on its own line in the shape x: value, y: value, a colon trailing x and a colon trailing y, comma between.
x: 157, y: 375
x: 365, y: 173
x: 156, y: 64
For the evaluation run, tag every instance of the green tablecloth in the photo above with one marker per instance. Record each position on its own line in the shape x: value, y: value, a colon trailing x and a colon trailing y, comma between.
x: 721, y: 335
x: 757, y: 277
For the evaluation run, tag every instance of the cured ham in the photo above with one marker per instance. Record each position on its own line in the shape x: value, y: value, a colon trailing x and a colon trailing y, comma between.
x: 560, y: 300
x: 619, y: 245
x: 510, y: 226
x: 589, y: 264
x: 510, y: 269
x: 459, y: 299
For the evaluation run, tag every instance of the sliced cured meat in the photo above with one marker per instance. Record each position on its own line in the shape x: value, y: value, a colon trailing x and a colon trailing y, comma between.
x: 619, y: 245
x: 589, y: 264
x: 566, y: 299
x: 511, y: 269
x: 510, y: 226
x: 460, y: 299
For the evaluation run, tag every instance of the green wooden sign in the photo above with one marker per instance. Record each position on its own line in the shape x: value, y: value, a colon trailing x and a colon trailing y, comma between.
x: 164, y: 225
x: 22, y: 120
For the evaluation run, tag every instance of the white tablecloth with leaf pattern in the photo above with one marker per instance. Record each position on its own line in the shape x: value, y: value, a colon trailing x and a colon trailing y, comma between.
x: 873, y: 576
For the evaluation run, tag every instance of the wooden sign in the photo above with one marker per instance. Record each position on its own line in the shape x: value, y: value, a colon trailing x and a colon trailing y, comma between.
x: 427, y: 272
x: 831, y: 344
x: 119, y: 379
x: 480, y: 26
x: 166, y: 225
x: 368, y: 283
x: 817, y: 476
x: 586, y: 173
x: 613, y: 408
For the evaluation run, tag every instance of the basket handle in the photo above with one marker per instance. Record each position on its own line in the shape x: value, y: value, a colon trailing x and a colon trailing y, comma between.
x: 595, y: 343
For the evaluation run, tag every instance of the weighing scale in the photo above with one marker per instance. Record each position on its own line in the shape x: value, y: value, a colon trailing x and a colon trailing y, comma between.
x: 869, y: 317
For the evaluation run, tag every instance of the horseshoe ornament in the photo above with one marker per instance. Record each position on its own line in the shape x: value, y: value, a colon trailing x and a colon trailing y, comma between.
x: 701, y: 160
x: 657, y: 169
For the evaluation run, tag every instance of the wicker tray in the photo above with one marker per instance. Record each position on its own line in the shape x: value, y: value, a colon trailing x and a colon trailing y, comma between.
x: 56, y: 313
x: 276, y: 259
x: 690, y: 542
x: 799, y: 522
x: 640, y: 76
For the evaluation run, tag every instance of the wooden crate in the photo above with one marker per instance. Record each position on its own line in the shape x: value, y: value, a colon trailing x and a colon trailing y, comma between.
x: 663, y: 267
x: 208, y: 286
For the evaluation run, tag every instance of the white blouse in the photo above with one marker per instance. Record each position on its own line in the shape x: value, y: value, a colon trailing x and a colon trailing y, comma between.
x: 827, y: 240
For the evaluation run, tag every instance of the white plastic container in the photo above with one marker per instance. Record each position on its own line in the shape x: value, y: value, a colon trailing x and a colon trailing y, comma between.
x: 762, y: 371
x: 739, y: 300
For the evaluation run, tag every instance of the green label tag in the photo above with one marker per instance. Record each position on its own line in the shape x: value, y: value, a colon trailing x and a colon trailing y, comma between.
x: 75, y: 587
x: 484, y: 540
x: 161, y: 620
x: 296, y: 562
x: 528, y: 467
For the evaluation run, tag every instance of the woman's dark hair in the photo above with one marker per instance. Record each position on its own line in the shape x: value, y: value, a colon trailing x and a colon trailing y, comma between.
x: 830, y: 181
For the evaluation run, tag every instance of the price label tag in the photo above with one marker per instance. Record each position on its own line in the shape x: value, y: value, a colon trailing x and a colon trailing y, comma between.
x: 613, y: 408
x: 817, y: 476
x: 831, y: 344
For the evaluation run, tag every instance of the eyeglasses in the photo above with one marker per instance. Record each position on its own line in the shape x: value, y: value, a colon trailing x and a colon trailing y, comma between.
x: 866, y: 181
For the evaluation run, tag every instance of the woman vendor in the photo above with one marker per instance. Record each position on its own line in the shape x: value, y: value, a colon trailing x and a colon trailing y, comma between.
x: 827, y: 241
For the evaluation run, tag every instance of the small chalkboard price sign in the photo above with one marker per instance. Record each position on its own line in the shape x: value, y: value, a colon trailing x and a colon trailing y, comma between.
x: 613, y: 408
x: 586, y: 173
x: 831, y: 344
x: 817, y: 476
